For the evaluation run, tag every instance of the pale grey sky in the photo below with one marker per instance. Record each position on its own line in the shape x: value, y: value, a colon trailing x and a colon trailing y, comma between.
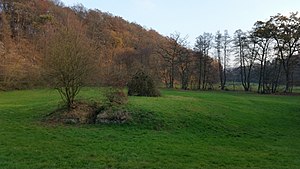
x: 192, y: 17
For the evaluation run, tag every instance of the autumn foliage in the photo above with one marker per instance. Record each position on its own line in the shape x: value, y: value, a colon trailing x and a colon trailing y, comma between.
x: 119, y: 48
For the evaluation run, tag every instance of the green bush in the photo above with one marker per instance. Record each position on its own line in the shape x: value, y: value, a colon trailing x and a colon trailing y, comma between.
x: 142, y: 84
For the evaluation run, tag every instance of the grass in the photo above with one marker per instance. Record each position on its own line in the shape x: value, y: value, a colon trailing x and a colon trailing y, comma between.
x: 296, y: 89
x: 179, y: 130
x: 237, y: 86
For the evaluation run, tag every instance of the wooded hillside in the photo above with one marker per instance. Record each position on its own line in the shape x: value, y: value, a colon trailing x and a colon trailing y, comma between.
x: 28, y: 26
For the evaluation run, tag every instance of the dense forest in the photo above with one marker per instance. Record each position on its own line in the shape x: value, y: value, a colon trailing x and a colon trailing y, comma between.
x: 34, y: 32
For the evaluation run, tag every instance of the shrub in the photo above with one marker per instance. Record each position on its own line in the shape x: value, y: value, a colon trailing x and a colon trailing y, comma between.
x: 113, y: 110
x: 115, y: 97
x: 142, y: 84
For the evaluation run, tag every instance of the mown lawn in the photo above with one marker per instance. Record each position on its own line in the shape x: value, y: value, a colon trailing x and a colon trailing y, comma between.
x: 179, y: 130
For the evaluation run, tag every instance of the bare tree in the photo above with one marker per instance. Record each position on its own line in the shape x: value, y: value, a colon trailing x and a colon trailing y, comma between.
x: 222, y: 45
x: 171, y: 52
x: 218, y: 47
x: 262, y: 32
x: 286, y: 32
x: 246, y: 53
x: 68, y: 64
x: 202, y: 47
x: 184, y: 66
x: 226, y: 51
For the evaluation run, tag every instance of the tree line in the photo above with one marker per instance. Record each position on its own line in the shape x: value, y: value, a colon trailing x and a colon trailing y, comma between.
x: 40, y: 37
x: 267, y: 55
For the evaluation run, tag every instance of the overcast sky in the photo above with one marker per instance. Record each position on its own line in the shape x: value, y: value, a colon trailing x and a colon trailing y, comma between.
x: 192, y: 17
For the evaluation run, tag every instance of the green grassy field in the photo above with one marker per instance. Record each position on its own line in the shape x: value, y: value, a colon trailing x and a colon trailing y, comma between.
x: 178, y: 130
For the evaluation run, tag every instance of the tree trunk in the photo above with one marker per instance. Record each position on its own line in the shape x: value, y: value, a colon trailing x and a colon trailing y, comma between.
x: 199, y: 74
x: 260, y: 77
x: 287, y: 83
x: 275, y: 82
